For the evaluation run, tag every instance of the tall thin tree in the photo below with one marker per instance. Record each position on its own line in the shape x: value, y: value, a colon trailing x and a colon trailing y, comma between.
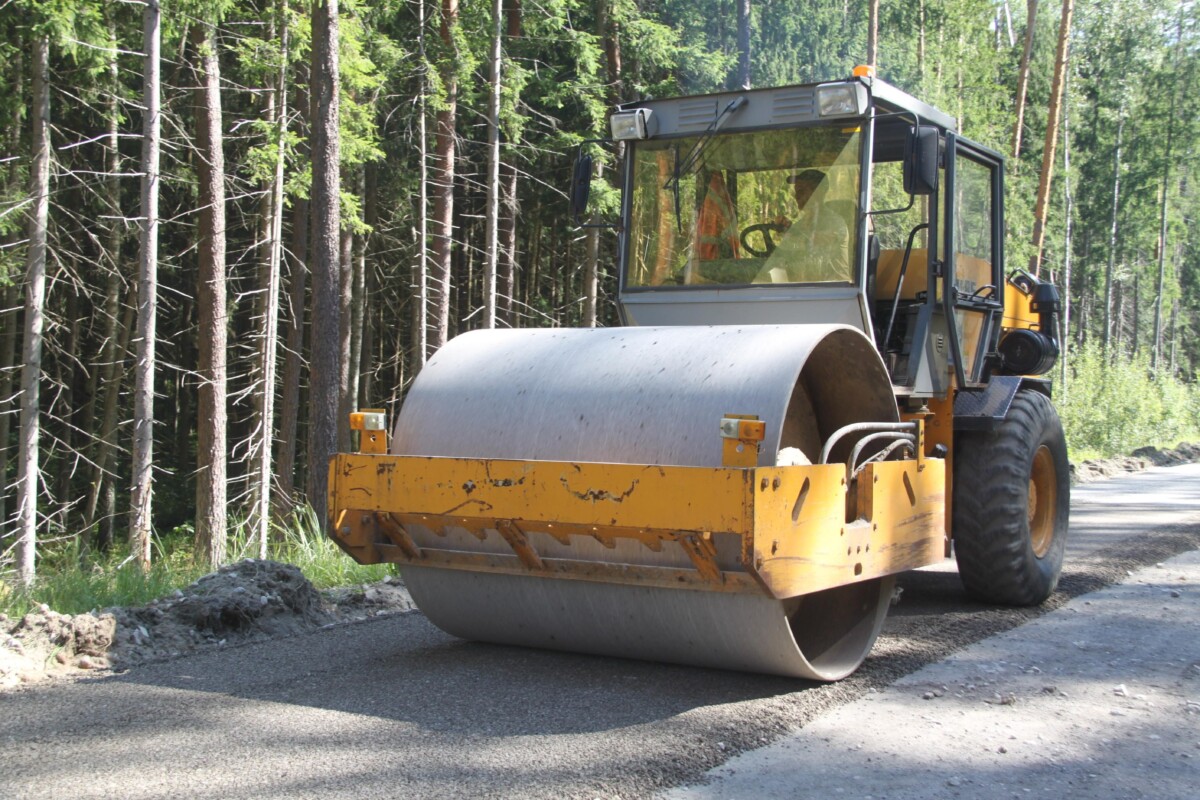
x: 141, y: 498
x: 324, y: 366
x: 269, y: 334
x: 211, y: 343
x: 9, y: 295
x: 443, y: 183
x: 872, y: 32
x: 743, y: 39
x: 1023, y: 77
x: 28, y: 471
x: 492, y: 240
x: 116, y: 327
x: 1056, y: 92
x: 1155, y: 353
x: 420, y: 321
x: 1112, y: 234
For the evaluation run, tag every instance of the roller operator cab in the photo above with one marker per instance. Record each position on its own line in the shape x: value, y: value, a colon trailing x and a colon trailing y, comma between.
x: 824, y: 378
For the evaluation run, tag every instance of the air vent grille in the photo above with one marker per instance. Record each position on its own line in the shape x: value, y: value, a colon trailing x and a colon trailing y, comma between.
x: 697, y: 114
x: 793, y: 104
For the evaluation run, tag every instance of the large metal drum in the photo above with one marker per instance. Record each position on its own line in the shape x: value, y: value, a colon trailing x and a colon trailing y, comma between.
x: 646, y: 396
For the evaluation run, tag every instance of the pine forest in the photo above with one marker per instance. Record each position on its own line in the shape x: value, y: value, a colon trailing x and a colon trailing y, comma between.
x: 225, y: 224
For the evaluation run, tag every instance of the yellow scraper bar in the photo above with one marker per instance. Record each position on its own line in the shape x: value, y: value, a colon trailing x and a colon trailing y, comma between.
x: 793, y: 530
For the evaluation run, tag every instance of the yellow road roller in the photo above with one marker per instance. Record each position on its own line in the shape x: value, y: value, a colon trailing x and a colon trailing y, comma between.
x: 825, y: 376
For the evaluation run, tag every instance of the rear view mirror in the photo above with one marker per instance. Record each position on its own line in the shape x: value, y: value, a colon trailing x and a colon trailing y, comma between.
x: 921, y: 160
x: 581, y: 187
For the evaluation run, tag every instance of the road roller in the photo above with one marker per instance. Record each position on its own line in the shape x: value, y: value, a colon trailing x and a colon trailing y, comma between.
x: 824, y: 376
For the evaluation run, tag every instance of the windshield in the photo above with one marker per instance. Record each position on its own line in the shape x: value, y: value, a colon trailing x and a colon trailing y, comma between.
x: 775, y: 206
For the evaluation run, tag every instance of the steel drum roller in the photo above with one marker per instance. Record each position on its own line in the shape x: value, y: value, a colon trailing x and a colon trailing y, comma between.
x: 647, y: 396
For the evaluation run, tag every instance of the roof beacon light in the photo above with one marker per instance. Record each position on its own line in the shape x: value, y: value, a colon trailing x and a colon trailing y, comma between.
x: 635, y: 124
x: 843, y: 99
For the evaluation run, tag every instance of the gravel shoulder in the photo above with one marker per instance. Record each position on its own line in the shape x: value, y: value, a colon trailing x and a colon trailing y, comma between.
x: 1099, y: 699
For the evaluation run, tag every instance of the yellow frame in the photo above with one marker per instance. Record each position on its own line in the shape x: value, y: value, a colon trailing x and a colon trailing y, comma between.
x: 795, y: 530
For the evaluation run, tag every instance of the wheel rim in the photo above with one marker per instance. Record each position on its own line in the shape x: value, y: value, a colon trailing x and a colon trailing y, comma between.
x: 1042, y: 501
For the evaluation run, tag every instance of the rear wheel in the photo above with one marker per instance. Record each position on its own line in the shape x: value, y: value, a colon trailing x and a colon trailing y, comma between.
x: 1012, y: 496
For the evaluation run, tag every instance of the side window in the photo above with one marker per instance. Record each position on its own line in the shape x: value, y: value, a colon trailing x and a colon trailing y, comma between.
x: 894, y: 231
x: 973, y: 220
x: 976, y: 296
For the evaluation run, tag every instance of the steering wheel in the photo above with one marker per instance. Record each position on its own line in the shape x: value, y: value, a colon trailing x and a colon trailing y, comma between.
x: 766, y: 229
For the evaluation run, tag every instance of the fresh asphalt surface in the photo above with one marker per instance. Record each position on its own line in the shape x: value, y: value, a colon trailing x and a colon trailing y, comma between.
x: 395, y: 708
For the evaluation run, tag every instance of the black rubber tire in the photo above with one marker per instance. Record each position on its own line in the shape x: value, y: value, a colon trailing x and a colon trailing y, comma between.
x: 997, y: 560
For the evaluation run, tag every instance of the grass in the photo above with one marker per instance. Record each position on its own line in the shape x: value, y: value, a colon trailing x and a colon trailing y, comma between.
x: 74, y: 582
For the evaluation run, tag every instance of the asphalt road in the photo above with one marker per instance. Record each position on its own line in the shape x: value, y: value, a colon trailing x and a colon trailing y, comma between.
x: 395, y: 708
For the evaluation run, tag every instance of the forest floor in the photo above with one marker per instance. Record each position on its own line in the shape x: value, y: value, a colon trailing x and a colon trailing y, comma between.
x: 252, y: 601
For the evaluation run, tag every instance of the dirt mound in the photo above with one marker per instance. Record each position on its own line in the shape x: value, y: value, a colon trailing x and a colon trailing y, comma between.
x: 1184, y: 454
x: 241, y: 602
x: 1141, y: 459
x: 45, y: 641
x: 248, y: 601
x: 1098, y: 469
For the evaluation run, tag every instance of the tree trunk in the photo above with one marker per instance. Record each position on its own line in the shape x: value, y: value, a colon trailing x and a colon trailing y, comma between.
x: 9, y: 333
x: 143, y: 396
x: 743, y: 39
x: 591, y: 281
x: 1112, y: 236
x: 510, y: 203
x: 1023, y: 76
x: 366, y: 360
x: 508, y: 244
x: 104, y: 477
x: 492, y: 237
x: 443, y: 184
x: 1056, y: 92
x: 116, y: 322
x: 346, y: 314
x: 28, y: 474
x: 921, y: 41
x: 325, y: 367
x: 1068, y: 237
x: 1008, y: 24
x: 269, y: 334
x: 872, y: 32
x: 420, y: 321
x: 211, y: 341
x: 293, y: 360
x: 1156, y: 351
x: 358, y: 301
x: 9, y: 297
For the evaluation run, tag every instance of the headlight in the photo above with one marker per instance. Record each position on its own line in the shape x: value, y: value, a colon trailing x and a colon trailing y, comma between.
x: 635, y: 124
x: 842, y: 99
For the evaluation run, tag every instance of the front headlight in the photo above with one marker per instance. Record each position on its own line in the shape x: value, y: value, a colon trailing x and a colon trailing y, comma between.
x: 635, y: 124
x: 843, y: 99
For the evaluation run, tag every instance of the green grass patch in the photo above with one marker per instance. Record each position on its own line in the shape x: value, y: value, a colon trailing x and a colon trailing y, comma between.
x: 73, y: 582
x: 302, y: 543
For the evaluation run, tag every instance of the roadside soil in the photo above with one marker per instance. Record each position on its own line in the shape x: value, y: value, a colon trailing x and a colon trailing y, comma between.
x: 249, y: 601
x: 253, y: 600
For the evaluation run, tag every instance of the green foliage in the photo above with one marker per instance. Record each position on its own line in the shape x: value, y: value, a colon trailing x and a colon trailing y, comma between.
x: 300, y: 541
x: 1114, y: 406
x: 72, y: 581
